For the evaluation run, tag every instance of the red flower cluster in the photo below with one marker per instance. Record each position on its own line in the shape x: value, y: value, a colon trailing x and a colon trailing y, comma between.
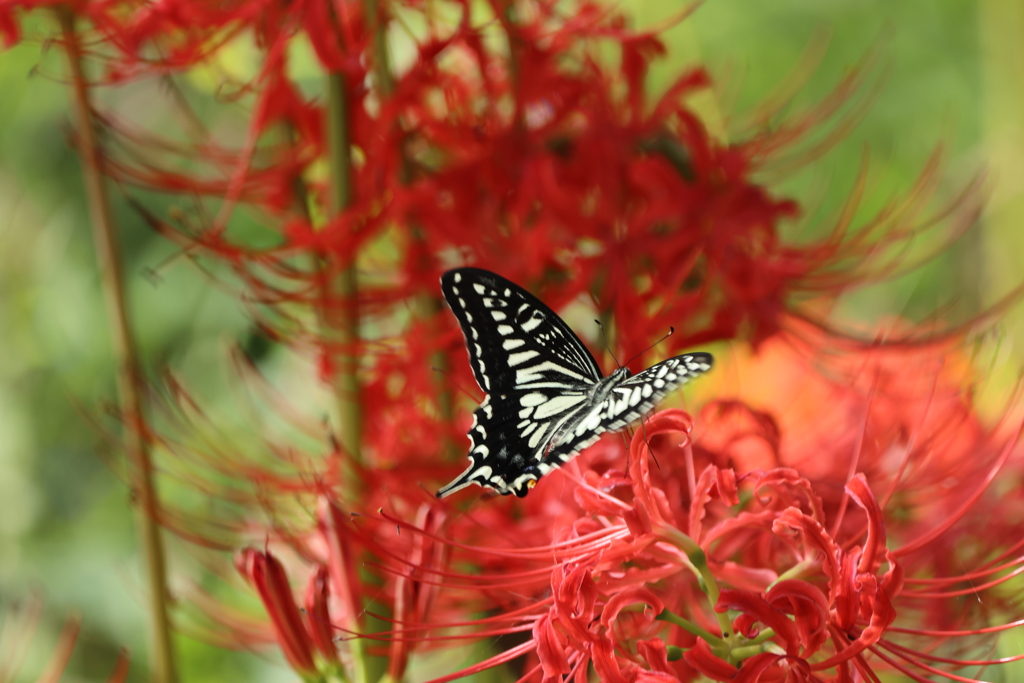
x: 744, y: 583
x: 899, y: 415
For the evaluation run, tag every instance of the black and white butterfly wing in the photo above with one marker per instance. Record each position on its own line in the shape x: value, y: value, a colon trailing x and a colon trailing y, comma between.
x: 646, y: 389
x: 625, y: 401
x: 513, y: 338
x: 535, y: 371
x: 546, y: 398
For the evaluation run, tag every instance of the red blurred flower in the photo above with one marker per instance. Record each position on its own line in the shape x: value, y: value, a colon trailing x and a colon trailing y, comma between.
x: 902, y: 415
x: 636, y: 581
x: 268, y: 577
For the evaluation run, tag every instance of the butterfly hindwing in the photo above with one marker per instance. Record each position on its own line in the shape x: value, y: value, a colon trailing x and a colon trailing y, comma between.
x: 627, y: 401
x: 546, y: 397
x: 656, y: 382
x: 506, y: 449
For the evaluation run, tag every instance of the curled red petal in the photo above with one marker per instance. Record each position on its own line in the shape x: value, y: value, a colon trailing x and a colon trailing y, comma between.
x: 754, y: 668
x: 809, y: 608
x: 714, y: 483
x: 629, y: 597
x: 602, y: 651
x: 882, y: 616
x: 846, y: 596
x: 655, y: 652
x: 756, y: 606
x: 318, y: 617
x: 666, y: 421
x: 892, y: 580
x: 574, y: 595
x: 874, y: 546
x: 550, y: 650
x: 703, y: 660
x: 784, y: 484
x: 814, y: 533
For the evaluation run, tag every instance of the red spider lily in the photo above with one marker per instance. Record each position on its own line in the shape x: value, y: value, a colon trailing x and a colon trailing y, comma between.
x: 518, y: 160
x: 902, y: 416
x: 268, y: 577
x: 791, y: 600
x: 857, y: 580
x: 544, y: 161
x: 853, y: 615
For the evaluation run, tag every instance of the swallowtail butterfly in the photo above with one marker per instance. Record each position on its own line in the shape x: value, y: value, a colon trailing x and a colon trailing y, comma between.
x: 546, y: 397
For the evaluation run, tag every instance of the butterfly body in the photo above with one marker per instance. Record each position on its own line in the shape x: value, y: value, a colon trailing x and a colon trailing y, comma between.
x: 546, y: 396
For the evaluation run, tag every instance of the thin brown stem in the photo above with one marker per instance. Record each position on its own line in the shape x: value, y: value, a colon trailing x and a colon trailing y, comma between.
x: 129, y: 381
x: 343, y: 297
x: 340, y: 316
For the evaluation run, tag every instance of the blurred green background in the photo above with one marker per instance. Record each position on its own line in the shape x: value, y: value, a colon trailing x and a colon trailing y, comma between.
x: 943, y: 73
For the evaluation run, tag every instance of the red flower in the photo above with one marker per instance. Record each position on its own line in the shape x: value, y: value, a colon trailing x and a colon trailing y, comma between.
x: 812, y: 605
x: 268, y: 577
x: 853, y: 613
x: 901, y: 415
x: 318, y: 618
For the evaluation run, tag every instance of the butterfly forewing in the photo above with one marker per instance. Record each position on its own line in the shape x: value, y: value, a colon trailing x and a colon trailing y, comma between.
x: 513, y: 339
x: 546, y: 398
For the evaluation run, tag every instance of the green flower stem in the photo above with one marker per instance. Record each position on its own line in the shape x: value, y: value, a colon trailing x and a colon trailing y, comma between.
x: 129, y: 376
x: 330, y: 673
x: 796, y: 571
x: 688, y: 625
x: 345, y: 285
x: 738, y: 654
x: 764, y: 635
x: 699, y: 561
x: 344, y: 325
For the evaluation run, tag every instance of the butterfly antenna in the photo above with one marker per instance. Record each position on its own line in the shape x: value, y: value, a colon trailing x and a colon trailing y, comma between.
x: 671, y: 331
x: 608, y: 346
x: 628, y: 438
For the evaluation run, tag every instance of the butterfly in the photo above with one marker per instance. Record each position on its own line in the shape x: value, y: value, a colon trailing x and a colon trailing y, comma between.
x: 546, y: 396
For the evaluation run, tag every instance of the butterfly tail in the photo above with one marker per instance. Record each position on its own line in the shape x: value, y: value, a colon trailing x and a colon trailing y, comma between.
x: 459, y: 483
